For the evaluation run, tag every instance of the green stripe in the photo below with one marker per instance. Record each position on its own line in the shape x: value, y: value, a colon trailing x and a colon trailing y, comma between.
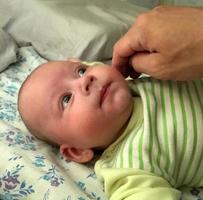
x: 185, y: 130
x: 122, y: 154
x: 130, y: 154
x: 198, y: 97
x: 165, y: 130
x: 149, y: 118
x: 194, y: 149
x: 130, y: 149
x: 131, y: 146
x: 194, y: 122
x: 140, y: 150
x: 155, y: 129
x: 121, y: 157
x: 199, y: 163
x: 114, y: 161
x: 174, y: 117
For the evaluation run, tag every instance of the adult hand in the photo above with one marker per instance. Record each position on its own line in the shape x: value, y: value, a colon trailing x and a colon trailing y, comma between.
x: 166, y: 43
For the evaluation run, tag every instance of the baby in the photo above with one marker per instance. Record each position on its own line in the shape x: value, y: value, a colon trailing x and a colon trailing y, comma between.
x: 76, y: 107
x: 151, y: 130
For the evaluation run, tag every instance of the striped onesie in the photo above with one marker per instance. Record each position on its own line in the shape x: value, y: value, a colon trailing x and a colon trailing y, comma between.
x: 161, y: 148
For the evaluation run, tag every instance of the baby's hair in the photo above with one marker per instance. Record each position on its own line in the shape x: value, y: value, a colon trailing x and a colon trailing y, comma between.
x: 37, y: 133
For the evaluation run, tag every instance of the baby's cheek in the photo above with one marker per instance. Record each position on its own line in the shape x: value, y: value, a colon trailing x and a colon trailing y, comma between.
x: 89, y: 123
x: 123, y: 99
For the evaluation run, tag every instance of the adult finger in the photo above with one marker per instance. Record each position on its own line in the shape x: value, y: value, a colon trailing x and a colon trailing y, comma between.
x: 121, y: 52
x: 148, y: 63
x: 127, y: 46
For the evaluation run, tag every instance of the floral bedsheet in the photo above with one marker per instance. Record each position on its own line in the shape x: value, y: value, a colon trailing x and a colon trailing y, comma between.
x: 32, y: 169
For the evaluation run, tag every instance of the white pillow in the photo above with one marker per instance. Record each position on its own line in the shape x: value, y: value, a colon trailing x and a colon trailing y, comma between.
x: 145, y: 3
x: 59, y: 29
x: 193, y: 3
x: 7, y: 50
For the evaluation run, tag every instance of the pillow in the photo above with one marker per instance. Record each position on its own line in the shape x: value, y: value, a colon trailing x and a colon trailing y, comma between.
x: 193, y: 3
x: 7, y: 50
x: 68, y: 28
x: 146, y: 3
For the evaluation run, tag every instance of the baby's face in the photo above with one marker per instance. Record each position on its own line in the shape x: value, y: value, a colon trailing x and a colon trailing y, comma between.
x: 84, y: 107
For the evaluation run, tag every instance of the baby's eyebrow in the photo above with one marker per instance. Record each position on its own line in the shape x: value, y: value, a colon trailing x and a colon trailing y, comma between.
x: 55, y: 97
x: 55, y: 108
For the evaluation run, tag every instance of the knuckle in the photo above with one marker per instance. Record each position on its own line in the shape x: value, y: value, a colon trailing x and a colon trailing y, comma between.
x: 116, y: 46
x: 142, y: 19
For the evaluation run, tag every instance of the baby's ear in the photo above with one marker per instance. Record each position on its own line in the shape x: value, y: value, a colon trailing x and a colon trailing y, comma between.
x: 75, y: 154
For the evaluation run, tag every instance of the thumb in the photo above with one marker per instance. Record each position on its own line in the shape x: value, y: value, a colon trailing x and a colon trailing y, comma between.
x: 132, y: 73
x: 146, y: 62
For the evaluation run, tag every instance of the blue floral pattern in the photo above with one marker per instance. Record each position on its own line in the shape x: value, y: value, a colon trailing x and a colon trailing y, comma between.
x: 13, y: 138
x: 32, y: 169
x: 12, y: 187
x: 53, y: 176
x: 39, y: 161
x: 9, y: 113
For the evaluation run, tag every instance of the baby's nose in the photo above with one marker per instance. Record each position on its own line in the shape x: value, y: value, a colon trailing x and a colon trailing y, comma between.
x: 87, y: 83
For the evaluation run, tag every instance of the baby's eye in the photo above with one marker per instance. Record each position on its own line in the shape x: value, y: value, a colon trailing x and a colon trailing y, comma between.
x: 81, y: 71
x: 66, y: 100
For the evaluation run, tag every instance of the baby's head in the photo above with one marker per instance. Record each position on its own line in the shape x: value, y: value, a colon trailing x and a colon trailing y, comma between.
x: 79, y: 108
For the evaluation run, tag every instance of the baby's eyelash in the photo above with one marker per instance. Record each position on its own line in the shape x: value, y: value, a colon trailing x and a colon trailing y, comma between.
x: 80, y: 69
x: 65, y: 100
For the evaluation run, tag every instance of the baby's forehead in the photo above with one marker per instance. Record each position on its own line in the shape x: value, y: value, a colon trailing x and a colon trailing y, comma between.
x: 51, y: 70
x: 56, y: 71
x: 54, y: 66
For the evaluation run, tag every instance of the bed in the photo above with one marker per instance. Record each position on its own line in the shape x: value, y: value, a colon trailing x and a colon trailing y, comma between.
x: 31, y: 33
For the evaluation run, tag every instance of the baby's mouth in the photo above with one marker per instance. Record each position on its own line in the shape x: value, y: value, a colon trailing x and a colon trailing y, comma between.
x: 104, y: 92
